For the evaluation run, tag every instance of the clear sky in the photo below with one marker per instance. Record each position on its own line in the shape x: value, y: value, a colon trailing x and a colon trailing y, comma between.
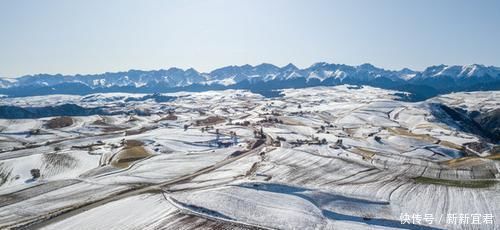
x: 93, y: 36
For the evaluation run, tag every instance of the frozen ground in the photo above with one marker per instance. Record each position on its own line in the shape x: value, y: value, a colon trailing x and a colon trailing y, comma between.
x: 316, y: 158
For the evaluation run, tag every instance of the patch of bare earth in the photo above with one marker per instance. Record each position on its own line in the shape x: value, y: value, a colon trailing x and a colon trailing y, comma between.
x: 59, y: 122
x: 138, y: 131
x: 100, y: 121
x: 132, y: 151
x: 408, y: 133
x: 464, y: 162
x: 170, y: 117
x: 365, y: 153
x: 106, y: 127
x: 212, y: 120
x: 110, y: 129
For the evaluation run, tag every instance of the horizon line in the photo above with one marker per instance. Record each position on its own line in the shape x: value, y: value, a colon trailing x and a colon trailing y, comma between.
x: 241, y: 65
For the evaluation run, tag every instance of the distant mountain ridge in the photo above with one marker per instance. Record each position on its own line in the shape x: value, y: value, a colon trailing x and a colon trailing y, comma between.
x: 433, y: 80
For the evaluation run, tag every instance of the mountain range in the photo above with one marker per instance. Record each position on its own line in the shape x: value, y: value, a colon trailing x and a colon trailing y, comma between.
x: 432, y: 81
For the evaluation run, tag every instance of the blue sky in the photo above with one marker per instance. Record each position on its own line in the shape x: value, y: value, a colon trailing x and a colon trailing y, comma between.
x: 94, y: 36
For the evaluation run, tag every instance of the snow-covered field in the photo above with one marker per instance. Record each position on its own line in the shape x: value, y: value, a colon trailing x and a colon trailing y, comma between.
x: 317, y: 158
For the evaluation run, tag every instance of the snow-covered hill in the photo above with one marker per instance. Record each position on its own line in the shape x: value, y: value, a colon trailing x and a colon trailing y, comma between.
x: 341, y: 157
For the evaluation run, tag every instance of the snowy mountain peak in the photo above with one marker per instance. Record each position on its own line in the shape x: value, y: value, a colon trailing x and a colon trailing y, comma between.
x: 458, y: 71
x: 318, y: 65
x: 439, y: 77
x: 407, y: 71
x: 289, y: 67
x: 191, y: 70
x: 266, y: 67
x: 367, y: 66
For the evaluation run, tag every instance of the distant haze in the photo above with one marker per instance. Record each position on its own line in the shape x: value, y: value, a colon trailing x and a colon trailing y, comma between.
x: 92, y: 36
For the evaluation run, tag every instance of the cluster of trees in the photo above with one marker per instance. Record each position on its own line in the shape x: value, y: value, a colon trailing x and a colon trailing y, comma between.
x: 271, y: 120
x: 313, y: 141
x: 244, y: 123
x: 338, y: 144
x: 221, y: 143
x: 35, y: 173
x: 322, y: 129
x: 259, y: 134
x: 206, y: 128
x: 279, y: 138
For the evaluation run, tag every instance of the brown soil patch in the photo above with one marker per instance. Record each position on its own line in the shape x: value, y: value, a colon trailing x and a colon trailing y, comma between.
x: 290, y: 121
x: 212, y: 120
x: 133, y: 143
x: 365, y: 153
x: 425, y: 126
x: 451, y: 145
x: 59, y: 122
x: 138, y: 131
x: 494, y: 157
x: 101, y: 121
x: 464, y: 162
x: 112, y: 129
x: 170, y: 117
x: 406, y: 132
x: 132, y: 151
